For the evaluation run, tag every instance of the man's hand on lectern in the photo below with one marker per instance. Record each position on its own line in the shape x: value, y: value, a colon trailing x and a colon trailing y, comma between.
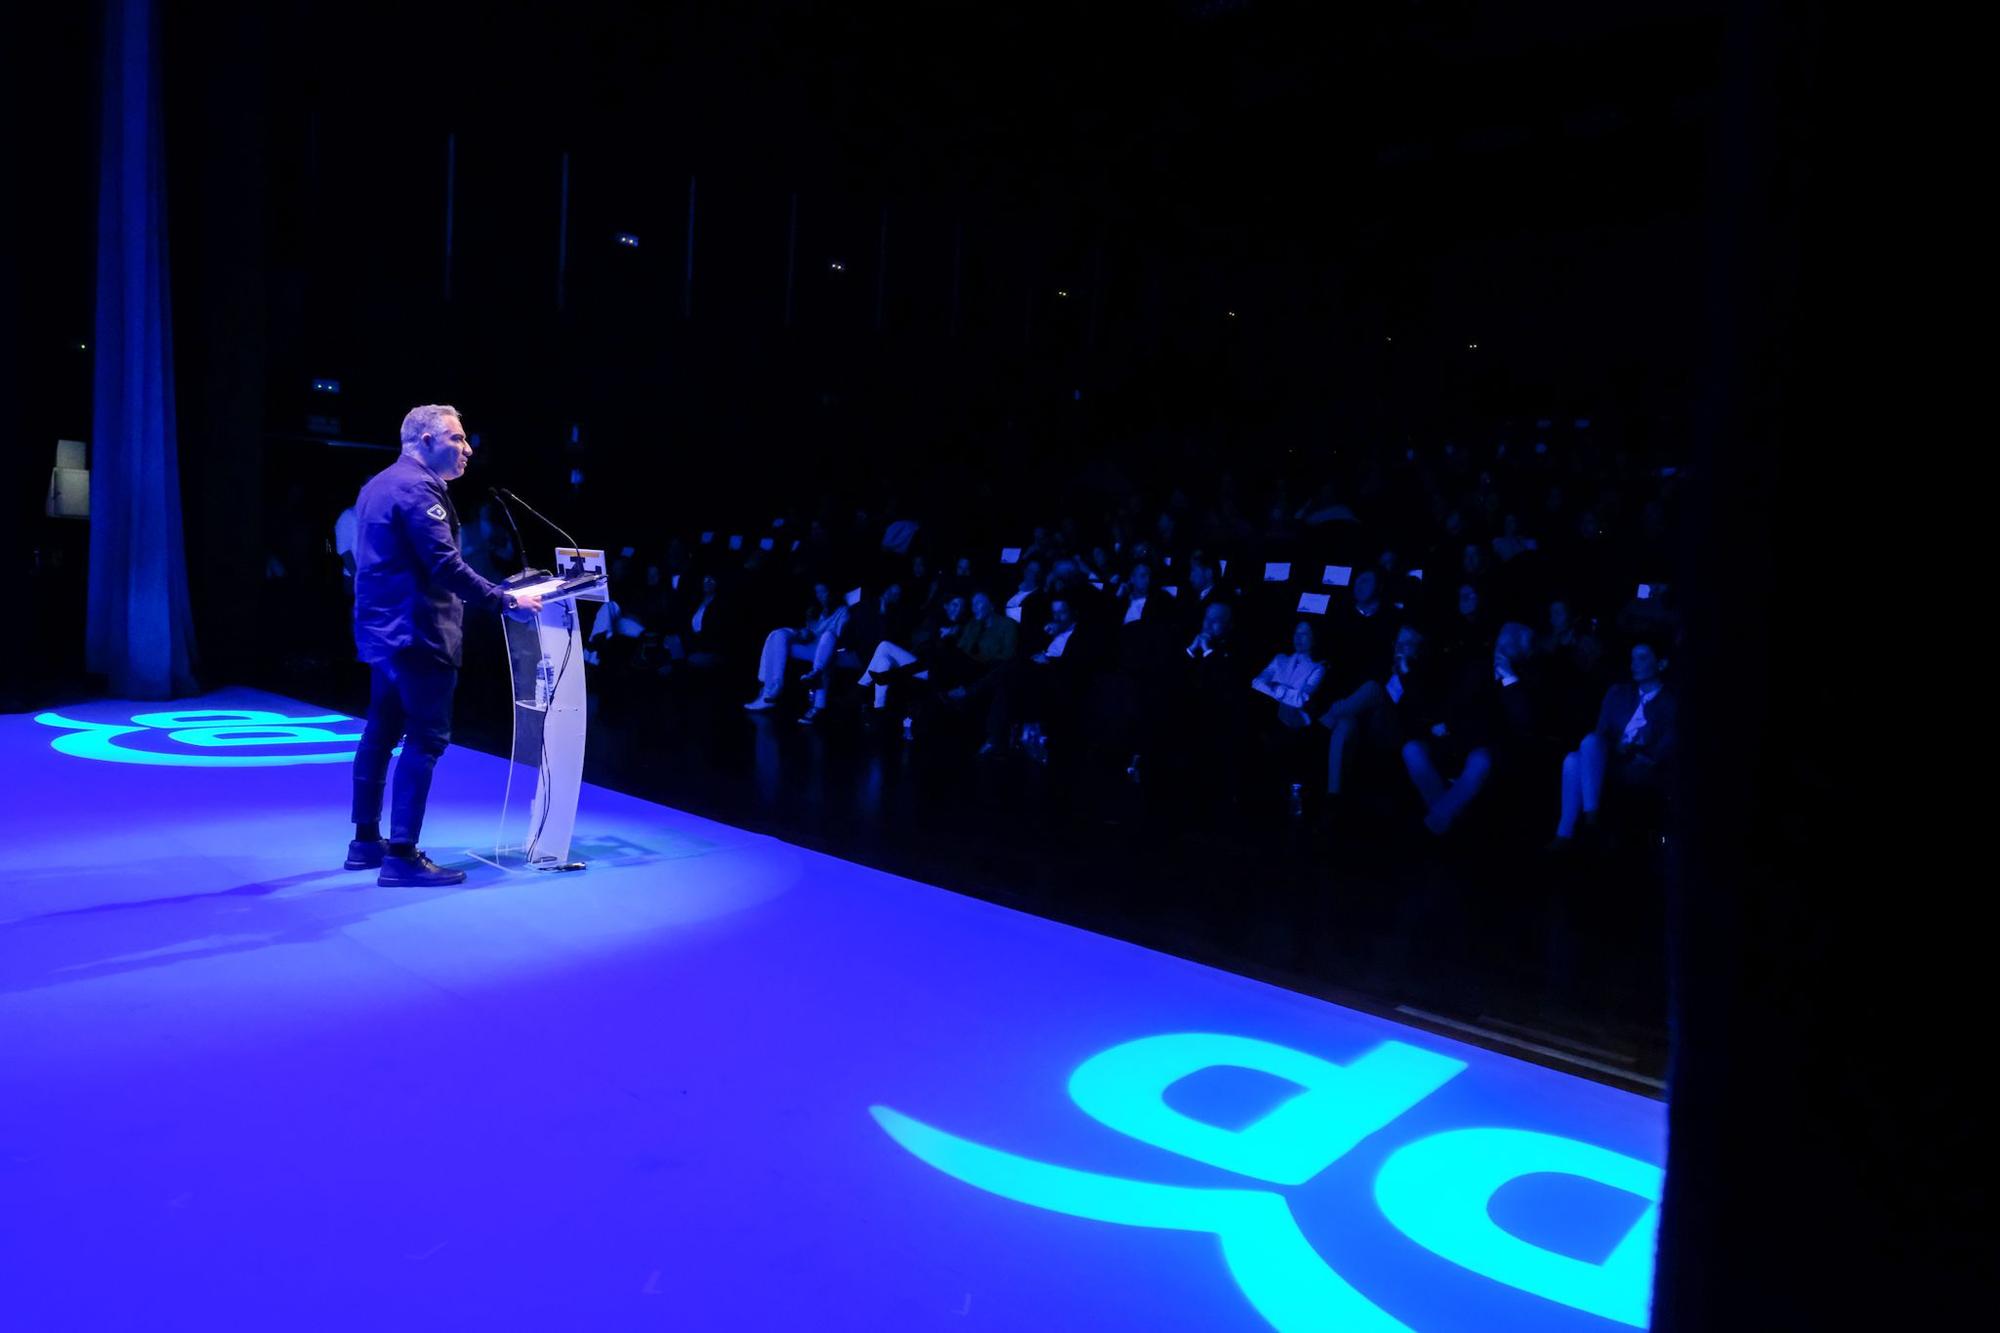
x: 528, y: 603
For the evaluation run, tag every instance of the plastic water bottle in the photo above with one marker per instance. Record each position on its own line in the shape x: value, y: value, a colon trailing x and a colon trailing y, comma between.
x: 1298, y: 800
x: 545, y: 683
x: 908, y: 723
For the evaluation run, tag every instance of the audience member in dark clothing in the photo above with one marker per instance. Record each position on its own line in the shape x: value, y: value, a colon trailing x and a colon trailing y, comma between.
x: 1630, y: 748
x: 1360, y: 635
x: 1489, y: 724
x: 697, y: 627
x: 987, y: 644
x: 1383, y: 711
x: 814, y: 640
x: 1042, y: 694
x: 1572, y: 660
x: 1203, y: 590
x: 932, y: 655
x: 1205, y: 729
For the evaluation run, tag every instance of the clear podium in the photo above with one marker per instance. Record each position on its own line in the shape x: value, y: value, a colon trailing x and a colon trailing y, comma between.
x: 545, y: 661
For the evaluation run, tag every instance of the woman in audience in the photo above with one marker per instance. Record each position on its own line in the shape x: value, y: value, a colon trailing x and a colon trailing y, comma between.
x: 926, y: 659
x: 1291, y: 679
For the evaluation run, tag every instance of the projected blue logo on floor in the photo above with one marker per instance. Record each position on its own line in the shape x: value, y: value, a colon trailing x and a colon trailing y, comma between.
x: 208, y: 738
x: 1438, y: 1190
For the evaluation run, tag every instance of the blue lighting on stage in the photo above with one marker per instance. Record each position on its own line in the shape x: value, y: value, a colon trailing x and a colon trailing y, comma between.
x: 1435, y: 1190
x: 716, y: 1081
x: 143, y: 740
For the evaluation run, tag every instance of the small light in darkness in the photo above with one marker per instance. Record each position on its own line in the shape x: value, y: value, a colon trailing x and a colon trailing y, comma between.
x: 628, y: 240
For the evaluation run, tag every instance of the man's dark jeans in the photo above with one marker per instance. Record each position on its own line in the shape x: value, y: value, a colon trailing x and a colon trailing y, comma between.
x: 409, y: 700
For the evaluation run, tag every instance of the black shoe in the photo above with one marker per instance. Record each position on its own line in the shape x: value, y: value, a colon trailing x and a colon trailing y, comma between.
x: 365, y: 854
x: 416, y: 872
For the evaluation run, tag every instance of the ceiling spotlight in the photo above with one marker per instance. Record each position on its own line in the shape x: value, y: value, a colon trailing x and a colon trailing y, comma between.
x: 837, y: 266
x: 1061, y: 292
x: 1473, y: 346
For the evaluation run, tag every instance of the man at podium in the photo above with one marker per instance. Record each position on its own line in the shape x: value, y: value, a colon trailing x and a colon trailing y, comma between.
x: 410, y: 590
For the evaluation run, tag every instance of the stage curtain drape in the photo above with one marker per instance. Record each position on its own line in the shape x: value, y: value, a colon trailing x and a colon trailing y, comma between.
x: 141, y: 630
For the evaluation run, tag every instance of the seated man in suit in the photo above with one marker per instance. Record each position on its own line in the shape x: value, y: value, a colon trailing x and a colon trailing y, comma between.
x: 1205, y: 730
x: 1043, y: 694
x: 985, y: 646
x: 1490, y: 726
x: 1630, y: 747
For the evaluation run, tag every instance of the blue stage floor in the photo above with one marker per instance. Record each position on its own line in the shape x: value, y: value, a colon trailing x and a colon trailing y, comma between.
x: 716, y: 1082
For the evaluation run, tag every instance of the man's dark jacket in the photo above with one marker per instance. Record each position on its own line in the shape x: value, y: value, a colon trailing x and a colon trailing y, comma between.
x: 410, y: 583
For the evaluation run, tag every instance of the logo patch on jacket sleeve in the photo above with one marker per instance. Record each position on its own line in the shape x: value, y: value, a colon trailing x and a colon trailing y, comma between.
x: 436, y: 512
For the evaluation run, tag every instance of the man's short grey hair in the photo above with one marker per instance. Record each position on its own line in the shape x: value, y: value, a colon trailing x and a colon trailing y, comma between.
x: 426, y: 420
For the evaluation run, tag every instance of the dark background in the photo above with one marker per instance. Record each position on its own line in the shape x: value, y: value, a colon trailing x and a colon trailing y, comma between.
x: 1277, y: 227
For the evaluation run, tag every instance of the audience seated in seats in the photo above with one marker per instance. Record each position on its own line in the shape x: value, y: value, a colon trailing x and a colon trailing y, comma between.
x: 1490, y: 726
x: 932, y: 656
x: 922, y: 588
x: 1572, y: 659
x: 962, y: 580
x: 1360, y: 631
x: 1383, y: 710
x: 1068, y: 578
x: 1205, y: 730
x: 1138, y: 606
x: 870, y: 621
x: 1041, y: 695
x: 698, y: 625
x: 986, y: 645
x: 1026, y: 604
x: 1630, y: 748
x: 1142, y: 672
x: 1131, y: 694
x: 1204, y: 589
x: 813, y: 641
x: 1291, y: 679
x: 1466, y: 638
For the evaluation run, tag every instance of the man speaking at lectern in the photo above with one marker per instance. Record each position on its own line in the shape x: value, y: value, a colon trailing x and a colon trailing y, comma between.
x: 410, y: 587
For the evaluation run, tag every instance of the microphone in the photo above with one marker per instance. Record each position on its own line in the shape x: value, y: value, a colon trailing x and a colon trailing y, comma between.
x: 503, y: 491
x: 520, y: 547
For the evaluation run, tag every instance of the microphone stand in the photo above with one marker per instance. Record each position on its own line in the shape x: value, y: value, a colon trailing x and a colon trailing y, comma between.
x: 520, y: 547
x: 501, y: 491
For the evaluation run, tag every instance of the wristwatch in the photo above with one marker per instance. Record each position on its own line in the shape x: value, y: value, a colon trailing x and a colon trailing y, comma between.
x: 508, y: 598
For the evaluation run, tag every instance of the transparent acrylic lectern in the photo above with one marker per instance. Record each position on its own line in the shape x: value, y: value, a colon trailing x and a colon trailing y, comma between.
x: 545, y: 660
